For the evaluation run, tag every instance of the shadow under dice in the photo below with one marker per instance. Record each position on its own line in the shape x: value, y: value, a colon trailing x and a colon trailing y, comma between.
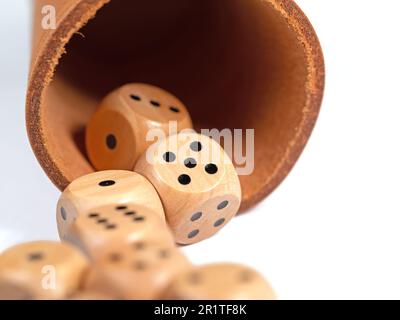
x: 197, y: 184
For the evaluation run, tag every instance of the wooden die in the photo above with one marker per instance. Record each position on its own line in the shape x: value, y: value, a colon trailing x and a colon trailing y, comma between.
x: 140, y: 271
x: 116, y: 188
x: 197, y: 183
x: 116, y: 134
x: 220, y: 282
x: 41, y: 270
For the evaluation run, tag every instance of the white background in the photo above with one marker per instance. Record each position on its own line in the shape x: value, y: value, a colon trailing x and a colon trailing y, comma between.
x: 332, y: 229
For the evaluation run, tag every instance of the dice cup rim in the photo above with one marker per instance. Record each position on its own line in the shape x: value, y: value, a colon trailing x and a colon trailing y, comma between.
x: 50, y: 50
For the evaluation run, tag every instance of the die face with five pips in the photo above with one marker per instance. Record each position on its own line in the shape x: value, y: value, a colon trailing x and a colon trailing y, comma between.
x: 115, y: 187
x: 142, y: 270
x: 220, y: 282
x: 41, y: 270
x: 98, y: 228
x: 197, y: 184
x: 116, y: 134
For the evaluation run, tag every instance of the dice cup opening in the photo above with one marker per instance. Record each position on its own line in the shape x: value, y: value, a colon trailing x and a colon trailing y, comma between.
x: 235, y: 64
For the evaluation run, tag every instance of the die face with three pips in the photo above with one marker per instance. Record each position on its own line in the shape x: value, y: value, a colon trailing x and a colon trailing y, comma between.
x: 197, y: 184
x: 41, y: 270
x: 116, y: 134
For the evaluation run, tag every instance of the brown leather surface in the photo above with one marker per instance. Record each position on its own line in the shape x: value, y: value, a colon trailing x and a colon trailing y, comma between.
x: 235, y: 63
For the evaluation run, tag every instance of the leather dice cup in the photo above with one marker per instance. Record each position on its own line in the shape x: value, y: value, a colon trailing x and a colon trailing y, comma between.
x: 234, y: 64
x: 127, y: 203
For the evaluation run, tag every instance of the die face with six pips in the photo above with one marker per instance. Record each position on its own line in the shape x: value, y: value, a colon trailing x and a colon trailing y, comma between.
x: 197, y: 184
x: 116, y: 134
x: 115, y: 187
x: 98, y: 228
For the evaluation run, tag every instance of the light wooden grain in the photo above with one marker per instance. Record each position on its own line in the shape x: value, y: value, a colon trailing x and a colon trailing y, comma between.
x: 124, y: 118
x: 94, y: 230
x: 220, y: 282
x: 28, y: 269
x: 192, y: 210
x: 90, y: 295
x: 85, y: 194
x: 137, y: 272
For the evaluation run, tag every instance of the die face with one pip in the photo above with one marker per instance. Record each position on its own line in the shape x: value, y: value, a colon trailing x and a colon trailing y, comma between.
x: 197, y: 184
x: 140, y: 271
x: 116, y: 134
x: 220, y: 282
x: 104, y: 188
x: 41, y: 270
x: 94, y: 230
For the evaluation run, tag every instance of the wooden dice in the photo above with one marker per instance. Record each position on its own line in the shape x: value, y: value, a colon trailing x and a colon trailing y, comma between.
x: 116, y: 188
x: 116, y: 135
x: 41, y: 270
x: 139, y: 271
x: 220, y: 282
x: 98, y: 228
x: 197, y: 184
x: 125, y: 224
